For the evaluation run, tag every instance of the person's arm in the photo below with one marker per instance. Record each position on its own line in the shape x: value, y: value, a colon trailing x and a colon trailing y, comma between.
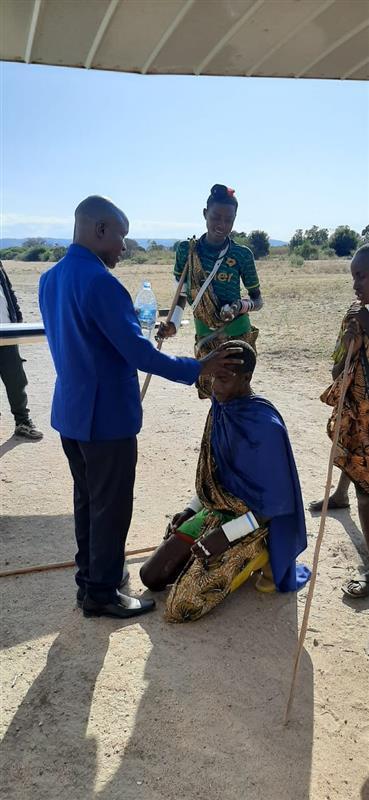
x: 213, y: 543
x: 193, y: 507
x: 168, y: 329
x: 338, y: 368
x: 257, y: 301
x: 250, y: 280
x: 351, y: 330
x: 111, y: 310
x: 13, y: 296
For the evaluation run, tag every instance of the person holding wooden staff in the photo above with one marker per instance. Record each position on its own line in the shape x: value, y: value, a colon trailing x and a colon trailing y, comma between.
x: 352, y: 454
x: 97, y: 347
x: 216, y: 268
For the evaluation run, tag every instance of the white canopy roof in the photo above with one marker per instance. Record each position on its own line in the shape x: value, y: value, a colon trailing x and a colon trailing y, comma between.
x: 275, y: 38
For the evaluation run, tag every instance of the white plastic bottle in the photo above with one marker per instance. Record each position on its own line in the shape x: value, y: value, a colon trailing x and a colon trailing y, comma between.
x: 146, y: 309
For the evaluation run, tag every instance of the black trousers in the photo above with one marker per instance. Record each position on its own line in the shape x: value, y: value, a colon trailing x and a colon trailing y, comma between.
x: 15, y: 381
x: 104, y: 476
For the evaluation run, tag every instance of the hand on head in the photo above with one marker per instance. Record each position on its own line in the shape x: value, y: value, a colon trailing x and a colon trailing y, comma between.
x: 222, y: 362
x: 232, y: 365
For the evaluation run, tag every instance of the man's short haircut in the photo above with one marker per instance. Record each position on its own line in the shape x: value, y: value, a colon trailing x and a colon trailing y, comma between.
x: 248, y: 355
x: 98, y: 208
x: 363, y: 252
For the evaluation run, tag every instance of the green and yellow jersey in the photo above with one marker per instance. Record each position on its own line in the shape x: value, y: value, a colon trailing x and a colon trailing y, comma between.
x: 238, y: 267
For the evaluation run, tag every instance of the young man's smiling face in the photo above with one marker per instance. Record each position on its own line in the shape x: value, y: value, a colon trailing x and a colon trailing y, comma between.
x: 219, y: 221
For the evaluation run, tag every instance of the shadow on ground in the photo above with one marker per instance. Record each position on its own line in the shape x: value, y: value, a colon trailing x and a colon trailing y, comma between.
x: 36, y: 539
x: 12, y: 442
x: 349, y: 525
x: 207, y: 718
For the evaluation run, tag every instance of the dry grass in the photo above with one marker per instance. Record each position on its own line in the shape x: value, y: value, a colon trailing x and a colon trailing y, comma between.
x: 302, y: 311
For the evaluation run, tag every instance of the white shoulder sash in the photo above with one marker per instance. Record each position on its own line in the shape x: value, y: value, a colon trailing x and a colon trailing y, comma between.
x: 209, y: 278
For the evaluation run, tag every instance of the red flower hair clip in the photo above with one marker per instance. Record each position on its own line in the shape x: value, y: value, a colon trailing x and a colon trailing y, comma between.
x: 231, y: 192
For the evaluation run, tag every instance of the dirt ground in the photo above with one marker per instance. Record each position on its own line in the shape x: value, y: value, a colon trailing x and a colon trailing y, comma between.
x: 143, y: 710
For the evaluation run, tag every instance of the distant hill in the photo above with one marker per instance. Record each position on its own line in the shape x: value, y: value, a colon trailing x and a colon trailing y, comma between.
x: 18, y: 242
x: 170, y: 242
x: 142, y: 242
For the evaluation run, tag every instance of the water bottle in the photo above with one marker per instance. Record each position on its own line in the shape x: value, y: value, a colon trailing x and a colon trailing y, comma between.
x: 146, y: 309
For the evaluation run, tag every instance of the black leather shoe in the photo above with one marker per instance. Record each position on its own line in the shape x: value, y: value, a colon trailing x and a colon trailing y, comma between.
x: 81, y: 592
x: 123, y: 608
x: 80, y: 596
x: 125, y: 577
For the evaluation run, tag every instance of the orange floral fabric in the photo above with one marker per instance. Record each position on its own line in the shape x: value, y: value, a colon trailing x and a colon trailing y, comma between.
x: 352, y: 454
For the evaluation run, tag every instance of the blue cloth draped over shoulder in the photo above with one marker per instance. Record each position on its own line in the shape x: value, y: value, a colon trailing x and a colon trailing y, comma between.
x: 255, y: 462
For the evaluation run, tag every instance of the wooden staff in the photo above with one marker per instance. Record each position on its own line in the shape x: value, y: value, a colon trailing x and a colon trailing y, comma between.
x: 61, y: 564
x: 169, y: 317
x: 319, y: 540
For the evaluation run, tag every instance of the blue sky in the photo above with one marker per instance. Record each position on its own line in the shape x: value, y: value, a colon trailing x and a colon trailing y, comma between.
x: 295, y: 151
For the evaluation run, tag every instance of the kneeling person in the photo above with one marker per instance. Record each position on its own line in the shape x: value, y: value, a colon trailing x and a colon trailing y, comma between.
x: 247, y: 514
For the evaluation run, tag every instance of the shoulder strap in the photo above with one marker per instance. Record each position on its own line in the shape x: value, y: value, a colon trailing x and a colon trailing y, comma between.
x: 210, y: 277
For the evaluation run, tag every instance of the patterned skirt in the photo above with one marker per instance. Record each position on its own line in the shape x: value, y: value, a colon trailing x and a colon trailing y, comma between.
x: 202, y: 586
x: 352, y: 454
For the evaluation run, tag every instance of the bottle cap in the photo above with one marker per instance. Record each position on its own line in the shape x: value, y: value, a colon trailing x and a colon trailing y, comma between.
x: 146, y: 285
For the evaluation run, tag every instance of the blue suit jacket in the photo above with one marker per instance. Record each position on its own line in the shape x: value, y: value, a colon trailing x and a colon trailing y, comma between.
x: 97, y: 346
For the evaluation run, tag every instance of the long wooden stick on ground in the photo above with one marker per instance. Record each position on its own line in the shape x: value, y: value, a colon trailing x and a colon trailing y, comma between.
x: 319, y: 540
x: 169, y: 317
x: 7, y: 573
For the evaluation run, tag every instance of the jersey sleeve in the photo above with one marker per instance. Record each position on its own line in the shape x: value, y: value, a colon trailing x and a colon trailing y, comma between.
x: 249, y: 275
x: 181, y: 259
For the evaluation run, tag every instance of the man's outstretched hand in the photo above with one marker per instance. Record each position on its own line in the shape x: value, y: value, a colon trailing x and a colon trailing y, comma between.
x: 222, y: 362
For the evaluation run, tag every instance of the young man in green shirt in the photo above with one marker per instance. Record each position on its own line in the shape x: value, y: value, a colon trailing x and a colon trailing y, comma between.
x: 216, y: 268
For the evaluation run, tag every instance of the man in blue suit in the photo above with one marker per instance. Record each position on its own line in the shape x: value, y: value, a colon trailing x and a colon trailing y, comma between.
x: 97, y: 346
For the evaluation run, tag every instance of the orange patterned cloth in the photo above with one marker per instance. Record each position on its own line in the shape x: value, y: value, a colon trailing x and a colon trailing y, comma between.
x: 352, y: 454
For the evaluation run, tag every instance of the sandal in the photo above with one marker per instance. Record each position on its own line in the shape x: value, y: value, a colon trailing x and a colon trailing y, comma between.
x: 357, y: 588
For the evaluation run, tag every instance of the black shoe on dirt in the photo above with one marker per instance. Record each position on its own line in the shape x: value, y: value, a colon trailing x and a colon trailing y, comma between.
x: 27, y: 430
